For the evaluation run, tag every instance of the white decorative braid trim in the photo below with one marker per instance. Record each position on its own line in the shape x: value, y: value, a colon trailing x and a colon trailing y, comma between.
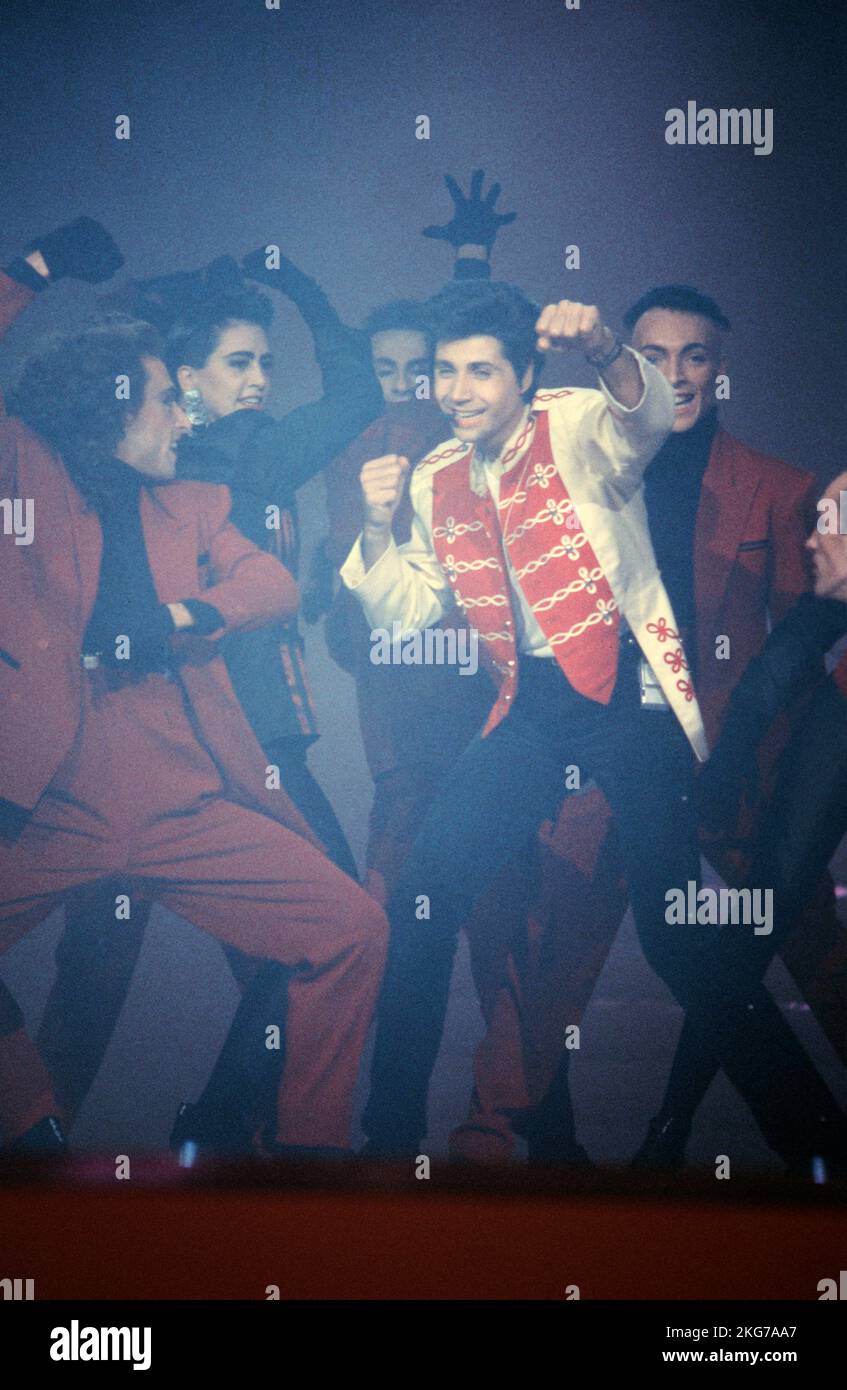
x: 553, y: 511
x: 579, y: 628
x: 541, y: 475
x: 454, y: 566
x: 452, y: 528
x: 495, y: 636
x: 570, y: 546
x: 486, y: 601
x: 587, y: 581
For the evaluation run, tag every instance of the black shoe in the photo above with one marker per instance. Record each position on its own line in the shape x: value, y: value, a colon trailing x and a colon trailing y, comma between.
x: 819, y: 1169
x: 47, y: 1137
x: 198, y: 1131
x: 546, y: 1149
x: 305, y: 1153
x: 550, y: 1137
x: 389, y: 1149
x: 664, y: 1146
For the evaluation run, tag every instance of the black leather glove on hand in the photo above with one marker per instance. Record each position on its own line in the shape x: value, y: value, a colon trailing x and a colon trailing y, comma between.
x: 80, y: 250
x: 149, y: 642
x: 731, y: 772
x: 474, y: 223
x: 287, y: 278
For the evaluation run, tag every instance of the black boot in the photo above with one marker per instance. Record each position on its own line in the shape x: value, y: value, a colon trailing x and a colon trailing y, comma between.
x: 664, y: 1146
x: 390, y: 1149
x: 197, y: 1130
x: 46, y: 1137
x: 549, y: 1128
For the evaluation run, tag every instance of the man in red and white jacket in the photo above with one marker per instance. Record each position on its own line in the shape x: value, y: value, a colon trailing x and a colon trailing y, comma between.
x: 532, y: 520
x: 729, y: 526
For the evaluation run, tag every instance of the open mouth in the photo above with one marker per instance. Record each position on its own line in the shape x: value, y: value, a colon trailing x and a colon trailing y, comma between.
x: 683, y: 399
x: 464, y: 417
x: 254, y: 401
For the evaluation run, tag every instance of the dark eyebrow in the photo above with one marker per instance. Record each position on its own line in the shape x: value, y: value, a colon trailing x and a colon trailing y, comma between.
x: 445, y: 362
x: 657, y: 347
x: 384, y: 362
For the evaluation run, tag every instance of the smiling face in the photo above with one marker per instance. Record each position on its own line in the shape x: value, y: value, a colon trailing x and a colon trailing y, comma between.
x: 150, y: 440
x: 476, y: 385
x: 829, y: 549
x: 688, y: 350
x: 236, y: 375
x: 400, y: 356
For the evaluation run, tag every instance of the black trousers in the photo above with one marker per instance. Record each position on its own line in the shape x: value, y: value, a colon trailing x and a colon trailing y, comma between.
x: 96, y: 957
x: 494, y: 799
x: 798, y: 834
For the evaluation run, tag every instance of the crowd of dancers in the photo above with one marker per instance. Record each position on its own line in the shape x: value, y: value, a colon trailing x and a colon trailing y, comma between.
x: 653, y: 600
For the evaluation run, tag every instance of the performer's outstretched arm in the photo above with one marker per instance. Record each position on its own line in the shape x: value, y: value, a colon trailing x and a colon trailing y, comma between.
x: 276, y: 457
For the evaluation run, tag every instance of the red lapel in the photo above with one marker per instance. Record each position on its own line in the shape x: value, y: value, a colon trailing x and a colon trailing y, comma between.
x: 725, y: 500
x: 173, y: 563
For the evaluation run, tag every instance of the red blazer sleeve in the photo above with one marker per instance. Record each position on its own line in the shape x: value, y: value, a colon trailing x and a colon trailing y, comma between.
x: 249, y: 587
x: 792, y: 517
x: 14, y: 298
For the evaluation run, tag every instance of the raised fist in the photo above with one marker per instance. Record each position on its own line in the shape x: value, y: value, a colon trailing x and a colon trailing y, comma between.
x: 80, y: 250
x: 383, y: 482
x: 569, y: 325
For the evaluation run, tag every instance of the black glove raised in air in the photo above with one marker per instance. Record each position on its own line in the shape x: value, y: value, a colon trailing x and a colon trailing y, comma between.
x: 80, y: 250
x: 474, y: 221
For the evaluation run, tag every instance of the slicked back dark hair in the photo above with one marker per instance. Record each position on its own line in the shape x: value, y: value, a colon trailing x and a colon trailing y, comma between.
x: 467, y: 308
x: 69, y: 395
x: 681, y: 299
x: 400, y: 315
x: 192, y: 339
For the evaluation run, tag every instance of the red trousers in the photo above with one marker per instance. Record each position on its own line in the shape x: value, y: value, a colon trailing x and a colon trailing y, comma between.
x: 140, y: 799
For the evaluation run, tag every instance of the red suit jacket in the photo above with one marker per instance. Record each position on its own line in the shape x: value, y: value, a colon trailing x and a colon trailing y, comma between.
x: 754, y: 515
x: 48, y: 591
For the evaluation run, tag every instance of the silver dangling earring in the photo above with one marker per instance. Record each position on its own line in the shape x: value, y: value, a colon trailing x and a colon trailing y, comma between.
x: 192, y: 404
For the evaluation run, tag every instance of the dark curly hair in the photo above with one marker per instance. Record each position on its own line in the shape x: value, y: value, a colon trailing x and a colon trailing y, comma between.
x: 495, y: 309
x: 69, y: 396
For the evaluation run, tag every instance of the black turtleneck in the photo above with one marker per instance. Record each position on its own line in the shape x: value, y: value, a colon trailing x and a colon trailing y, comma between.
x: 127, y: 604
x: 672, y: 485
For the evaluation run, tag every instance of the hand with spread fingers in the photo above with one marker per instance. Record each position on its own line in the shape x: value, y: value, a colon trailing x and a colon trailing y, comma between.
x: 475, y: 221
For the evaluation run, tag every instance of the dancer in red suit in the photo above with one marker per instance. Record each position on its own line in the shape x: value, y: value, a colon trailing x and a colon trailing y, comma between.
x: 123, y: 749
x: 747, y: 516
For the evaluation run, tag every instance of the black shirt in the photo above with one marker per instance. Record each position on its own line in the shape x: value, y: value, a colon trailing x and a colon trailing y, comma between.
x: 672, y: 486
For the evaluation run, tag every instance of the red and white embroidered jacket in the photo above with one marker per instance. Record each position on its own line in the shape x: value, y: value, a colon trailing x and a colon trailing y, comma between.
x: 600, y: 450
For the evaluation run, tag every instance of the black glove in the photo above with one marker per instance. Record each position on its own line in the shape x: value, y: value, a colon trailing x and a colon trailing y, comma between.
x: 80, y: 250
x: 731, y: 774
x: 149, y: 642
x: 150, y: 636
x: 288, y: 278
x: 474, y: 223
